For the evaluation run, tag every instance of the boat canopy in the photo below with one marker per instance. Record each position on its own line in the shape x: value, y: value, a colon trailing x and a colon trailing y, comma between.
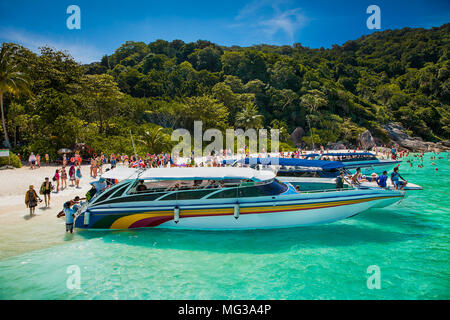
x: 195, y: 173
x: 343, y: 154
x: 320, y: 164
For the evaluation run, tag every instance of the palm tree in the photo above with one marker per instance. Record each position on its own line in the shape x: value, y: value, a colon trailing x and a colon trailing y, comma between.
x: 12, y: 80
x: 249, y: 117
x: 154, y: 138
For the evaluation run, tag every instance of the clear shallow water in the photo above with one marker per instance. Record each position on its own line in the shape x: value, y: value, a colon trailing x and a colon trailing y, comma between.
x: 409, y: 242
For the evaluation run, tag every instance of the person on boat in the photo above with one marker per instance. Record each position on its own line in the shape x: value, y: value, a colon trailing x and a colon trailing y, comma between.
x: 31, y: 199
x: 91, y: 193
x: 46, y: 189
x: 357, y: 176
x: 141, y: 186
x: 382, y: 180
x: 175, y: 187
x: 77, y: 203
x: 100, y: 185
x: 340, y: 181
x: 395, y: 179
x: 297, y: 188
x: 373, y: 177
x: 69, y: 212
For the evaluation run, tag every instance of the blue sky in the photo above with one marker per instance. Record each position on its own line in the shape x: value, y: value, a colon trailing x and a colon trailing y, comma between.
x: 105, y: 25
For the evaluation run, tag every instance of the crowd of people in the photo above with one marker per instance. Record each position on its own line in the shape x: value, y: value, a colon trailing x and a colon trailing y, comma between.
x: 71, y: 170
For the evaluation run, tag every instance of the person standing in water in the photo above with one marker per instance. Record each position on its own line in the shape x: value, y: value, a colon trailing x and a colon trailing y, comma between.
x: 46, y: 189
x: 31, y: 199
x: 70, y: 214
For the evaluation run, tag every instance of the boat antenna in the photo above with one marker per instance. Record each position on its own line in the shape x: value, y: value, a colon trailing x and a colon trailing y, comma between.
x: 134, y: 148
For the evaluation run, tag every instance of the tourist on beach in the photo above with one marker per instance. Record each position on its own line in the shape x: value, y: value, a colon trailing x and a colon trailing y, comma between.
x: 47, y: 159
x: 78, y: 176
x: 382, y: 180
x: 38, y: 160
x: 63, y: 178
x: 46, y: 189
x: 56, y: 178
x: 31, y: 199
x: 94, y: 164
x: 395, y: 178
x: 32, y: 160
x: 72, y: 175
x: 91, y: 168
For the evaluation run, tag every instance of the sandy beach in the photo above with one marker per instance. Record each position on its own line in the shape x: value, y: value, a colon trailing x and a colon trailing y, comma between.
x: 19, y: 232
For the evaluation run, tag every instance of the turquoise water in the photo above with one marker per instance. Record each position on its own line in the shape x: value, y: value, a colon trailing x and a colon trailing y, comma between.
x: 409, y: 242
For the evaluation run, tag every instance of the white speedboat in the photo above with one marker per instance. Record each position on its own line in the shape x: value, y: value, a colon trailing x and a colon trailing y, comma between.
x: 220, y: 198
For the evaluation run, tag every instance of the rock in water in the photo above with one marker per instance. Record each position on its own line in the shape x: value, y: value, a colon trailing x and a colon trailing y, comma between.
x: 365, y: 140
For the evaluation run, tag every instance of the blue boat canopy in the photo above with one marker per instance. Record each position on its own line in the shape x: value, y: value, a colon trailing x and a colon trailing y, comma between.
x: 324, y: 165
x: 343, y: 154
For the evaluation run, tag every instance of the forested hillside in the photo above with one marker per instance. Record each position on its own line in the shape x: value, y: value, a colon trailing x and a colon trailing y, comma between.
x: 394, y: 75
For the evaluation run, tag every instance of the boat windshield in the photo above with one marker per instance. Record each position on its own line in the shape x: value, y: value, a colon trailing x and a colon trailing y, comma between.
x: 150, y: 186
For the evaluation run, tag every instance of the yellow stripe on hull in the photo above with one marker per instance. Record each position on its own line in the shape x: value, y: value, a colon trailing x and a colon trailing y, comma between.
x: 127, y: 221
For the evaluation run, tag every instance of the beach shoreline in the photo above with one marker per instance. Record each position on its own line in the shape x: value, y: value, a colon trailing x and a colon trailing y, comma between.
x: 20, y: 232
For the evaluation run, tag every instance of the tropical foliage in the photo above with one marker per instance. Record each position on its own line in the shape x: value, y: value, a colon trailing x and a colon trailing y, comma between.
x: 152, y: 89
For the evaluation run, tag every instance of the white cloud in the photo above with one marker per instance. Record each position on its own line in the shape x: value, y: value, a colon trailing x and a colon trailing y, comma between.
x: 288, y: 21
x: 272, y: 17
x: 81, y: 52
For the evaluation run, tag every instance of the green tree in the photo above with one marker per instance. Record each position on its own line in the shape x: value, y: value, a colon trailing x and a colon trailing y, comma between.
x: 249, y: 117
x: 12, y: 80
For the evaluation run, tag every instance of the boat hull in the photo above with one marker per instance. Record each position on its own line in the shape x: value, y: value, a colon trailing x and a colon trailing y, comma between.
x: 270, y: 212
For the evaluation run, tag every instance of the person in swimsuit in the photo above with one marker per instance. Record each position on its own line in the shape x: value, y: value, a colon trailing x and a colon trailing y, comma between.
x: 63, y: 178
x: 56, y: 179
x: 72, y: 174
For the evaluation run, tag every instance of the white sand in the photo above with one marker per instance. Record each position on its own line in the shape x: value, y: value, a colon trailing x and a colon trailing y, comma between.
x: 19, y: 232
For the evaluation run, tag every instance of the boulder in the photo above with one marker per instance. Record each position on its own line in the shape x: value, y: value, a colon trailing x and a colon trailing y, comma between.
x: 335, y: 146
x: 397, y: 133
x: 297, y: 136
x: 365, y: 140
